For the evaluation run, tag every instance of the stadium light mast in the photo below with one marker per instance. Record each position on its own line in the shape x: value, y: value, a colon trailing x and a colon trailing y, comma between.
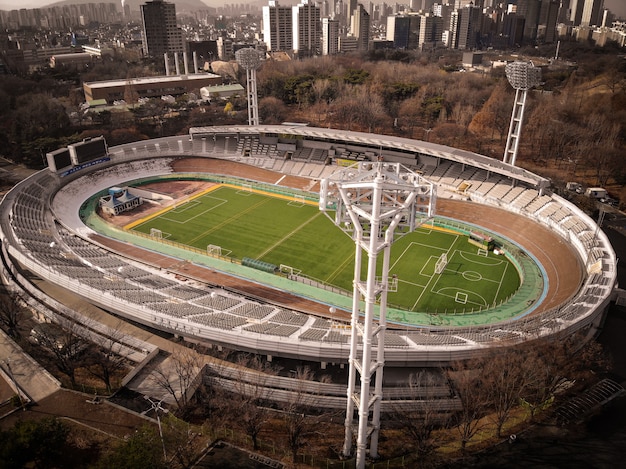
x: 522, y: 76
x: 370, y: 202
x: 250, y: 59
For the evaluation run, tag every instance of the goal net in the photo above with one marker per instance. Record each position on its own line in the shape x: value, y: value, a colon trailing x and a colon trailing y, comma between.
x: 298, y: 201
x: 441, y: 264
x: 156, y: 233
x: 214, y: 250
x: 245, y: 189
x: 289, y: 270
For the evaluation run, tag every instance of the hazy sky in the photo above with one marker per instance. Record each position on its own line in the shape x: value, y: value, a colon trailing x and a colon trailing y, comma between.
x: 616, y: 6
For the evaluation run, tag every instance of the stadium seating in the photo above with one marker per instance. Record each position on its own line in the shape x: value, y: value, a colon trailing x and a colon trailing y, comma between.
x: 59, y: 250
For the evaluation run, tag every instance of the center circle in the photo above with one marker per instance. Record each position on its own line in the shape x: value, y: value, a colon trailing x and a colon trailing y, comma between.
x: 472, y: 276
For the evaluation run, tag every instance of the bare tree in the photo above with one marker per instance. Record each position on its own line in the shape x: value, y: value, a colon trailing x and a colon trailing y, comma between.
x: 179, y: 438
x: 423, y: 416
x: 466, y: 379
x: 177, y: 373
x: 66, y: 347
x: 300, y: 417
x: 505, y: 372
x: 107, y: 358
x: 12, y: 315
x: 248, y: 401
x: 495, y: 115
x: 554, y: 364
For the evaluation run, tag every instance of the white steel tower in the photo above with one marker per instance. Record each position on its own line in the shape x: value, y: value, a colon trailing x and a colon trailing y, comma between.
x: 522, y: 76
x: 250, y: 59
x: 370, y: 202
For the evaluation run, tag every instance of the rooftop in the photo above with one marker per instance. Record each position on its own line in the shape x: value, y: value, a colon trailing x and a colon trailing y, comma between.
x: 147, y: 80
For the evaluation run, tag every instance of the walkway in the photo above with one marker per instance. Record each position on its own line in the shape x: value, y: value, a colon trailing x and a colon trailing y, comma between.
x: 22, y: 372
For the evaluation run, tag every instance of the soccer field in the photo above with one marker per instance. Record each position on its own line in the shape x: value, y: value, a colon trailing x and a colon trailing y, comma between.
x: 283, y: 231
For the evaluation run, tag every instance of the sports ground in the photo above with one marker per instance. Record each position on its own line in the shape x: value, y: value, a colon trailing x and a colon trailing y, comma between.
x: 291, y: 234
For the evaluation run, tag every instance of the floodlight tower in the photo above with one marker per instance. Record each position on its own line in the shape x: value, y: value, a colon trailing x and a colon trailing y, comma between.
x: 250, y: 59
x: 369, y: 202
x: 522, y: 76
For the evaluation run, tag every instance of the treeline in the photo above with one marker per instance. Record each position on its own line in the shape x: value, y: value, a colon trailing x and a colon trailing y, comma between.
x: 573, y: 129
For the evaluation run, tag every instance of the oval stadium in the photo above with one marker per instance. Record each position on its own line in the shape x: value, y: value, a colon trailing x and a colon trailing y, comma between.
x: 50, y: 231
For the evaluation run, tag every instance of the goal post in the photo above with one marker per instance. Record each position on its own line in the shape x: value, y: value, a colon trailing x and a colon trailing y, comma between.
x: 441, y: 264
x: 289, y: 270
x: 298, y: 200
x: 214, y: 250
x: 156, y: 233
x: 245, y: 189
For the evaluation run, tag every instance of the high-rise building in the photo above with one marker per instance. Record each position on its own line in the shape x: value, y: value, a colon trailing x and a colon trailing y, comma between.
x: 548, y: 20
x: 529, y: 10
x: 330, y: 36
x: 576, y: 11
x: 306, y: 29
x: 160, y: 33
x: 398, y: 31
x: 430, y: 31
x: 592, y: 13
x: 465, y: 28
x: 360, y: 27
x: 278, y: 27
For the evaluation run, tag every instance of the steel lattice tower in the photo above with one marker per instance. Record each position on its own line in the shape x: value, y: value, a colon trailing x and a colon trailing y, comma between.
x: 371, y: 202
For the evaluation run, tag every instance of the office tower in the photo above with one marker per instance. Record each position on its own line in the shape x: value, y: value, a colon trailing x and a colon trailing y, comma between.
x: 330, y: 36
x: 592, y: 13
x: 398, y: 31
x: 576, y: 11
x: 548, y: 20
x: 465, y: 28
x: 306, y: 29
x: 529, y: 10
x: 278, y: 27
x: 360, y: 27
x: 430, y: 31
x: 160, y: 33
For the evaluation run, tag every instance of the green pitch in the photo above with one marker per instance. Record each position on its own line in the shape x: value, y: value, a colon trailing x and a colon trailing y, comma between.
x: 283, y: 231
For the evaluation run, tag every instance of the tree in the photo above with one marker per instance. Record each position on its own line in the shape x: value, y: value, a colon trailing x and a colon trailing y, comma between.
x: 371, y: 108
x: 177, y: 373
x: 141, y: 451
x: 179, y: 438
x: 423, y: 417
x: 300, y: 417
x: 272, y: 110
x: 40, y: 442
x: 247, y: 403
x: 107, y: 358
x: 11, y: 315
x: 505, y: 373
x: 495, y: 115
x: 65, y: 346
x: 466, y: 378
x: 555, y: 363
x: 410, y: 112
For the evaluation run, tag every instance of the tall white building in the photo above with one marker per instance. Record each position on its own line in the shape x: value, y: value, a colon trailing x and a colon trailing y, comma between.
x: 330, y: 36
x: 278, y: 27
x: 307, y: 31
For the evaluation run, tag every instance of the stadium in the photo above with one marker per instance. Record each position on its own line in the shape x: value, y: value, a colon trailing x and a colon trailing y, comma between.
x: 566, y: 267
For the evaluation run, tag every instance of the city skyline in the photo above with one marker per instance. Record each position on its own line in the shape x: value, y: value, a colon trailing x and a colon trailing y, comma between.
x: 618, y: 7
